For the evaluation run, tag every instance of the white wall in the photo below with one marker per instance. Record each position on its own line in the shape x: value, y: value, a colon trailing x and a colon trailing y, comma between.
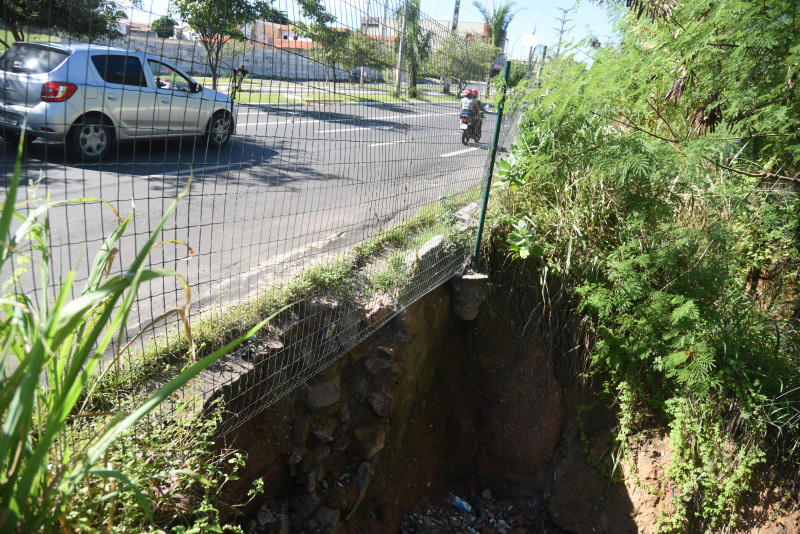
x: 190, y: 56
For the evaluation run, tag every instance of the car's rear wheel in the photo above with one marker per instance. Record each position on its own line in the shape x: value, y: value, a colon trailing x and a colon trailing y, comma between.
x: 220, y: 128
x: 90, y: 139
x: 13, y: 138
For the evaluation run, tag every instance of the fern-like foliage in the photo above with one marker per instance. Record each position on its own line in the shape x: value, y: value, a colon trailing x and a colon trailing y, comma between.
x: 661, y: 183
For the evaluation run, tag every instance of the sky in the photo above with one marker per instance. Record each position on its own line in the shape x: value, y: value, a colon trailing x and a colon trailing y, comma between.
x: 587, y: 19
x: 584, y: 17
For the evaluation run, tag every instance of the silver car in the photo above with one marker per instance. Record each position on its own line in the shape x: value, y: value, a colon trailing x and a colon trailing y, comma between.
x: 91, y: 96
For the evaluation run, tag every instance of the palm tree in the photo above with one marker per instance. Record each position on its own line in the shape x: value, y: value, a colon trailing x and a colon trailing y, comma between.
x: 497, y: 21
x: 418, y: 44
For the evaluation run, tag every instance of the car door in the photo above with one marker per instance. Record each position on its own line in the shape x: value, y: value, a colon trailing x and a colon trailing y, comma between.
x: 178, y: 104
x: 126, y: 94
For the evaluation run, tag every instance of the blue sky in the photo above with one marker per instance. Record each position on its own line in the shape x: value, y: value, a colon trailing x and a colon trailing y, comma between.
x: 587, y: 17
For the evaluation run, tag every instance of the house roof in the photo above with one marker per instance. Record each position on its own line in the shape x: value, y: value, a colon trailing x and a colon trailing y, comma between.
x: 292, y: 44
x: 135, y: 23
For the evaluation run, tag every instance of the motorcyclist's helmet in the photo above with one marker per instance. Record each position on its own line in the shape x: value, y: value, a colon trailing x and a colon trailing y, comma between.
x: 473, y: 93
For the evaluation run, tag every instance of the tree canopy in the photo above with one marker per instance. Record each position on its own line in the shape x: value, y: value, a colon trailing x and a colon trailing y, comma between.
x: 460, y: 60
x: 497, y: 20
x: 418, y: 43
x: 218, y: 22
x: 163, y: 27
x: 331, y: 43
x: 87, y: 20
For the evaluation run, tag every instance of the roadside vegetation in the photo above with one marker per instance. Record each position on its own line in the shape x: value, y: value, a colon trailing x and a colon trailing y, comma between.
x: 656, y: 190
x: 64, y: 465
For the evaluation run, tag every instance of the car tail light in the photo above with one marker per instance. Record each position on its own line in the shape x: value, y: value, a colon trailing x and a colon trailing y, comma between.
x: 57, y: 91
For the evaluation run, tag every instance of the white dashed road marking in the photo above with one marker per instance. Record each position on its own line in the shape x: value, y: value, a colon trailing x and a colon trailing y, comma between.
x: 456, y: 153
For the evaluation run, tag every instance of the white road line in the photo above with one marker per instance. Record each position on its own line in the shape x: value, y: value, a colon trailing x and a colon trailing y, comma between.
x: 389, y: 143
x: 395, y: 116
x: 200, y: 170
x: 288, y: 121
x: 343, y: 129
x: 450, y: 154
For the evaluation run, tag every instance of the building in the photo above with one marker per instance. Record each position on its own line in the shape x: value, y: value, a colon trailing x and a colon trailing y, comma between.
x: 186, y: 33
x: 269, y: 35
x: 135, y: 28
x: 391, y: 27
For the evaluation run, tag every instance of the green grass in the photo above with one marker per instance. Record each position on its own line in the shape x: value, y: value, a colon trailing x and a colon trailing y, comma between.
x: 8, y: 37
x: 168, y: 353
x: 55, y: 452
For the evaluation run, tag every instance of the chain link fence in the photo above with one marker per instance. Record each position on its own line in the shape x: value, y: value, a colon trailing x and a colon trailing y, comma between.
x: 335, y: 187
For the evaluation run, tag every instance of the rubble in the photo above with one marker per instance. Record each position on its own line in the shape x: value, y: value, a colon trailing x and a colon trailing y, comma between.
x: 486, y: 515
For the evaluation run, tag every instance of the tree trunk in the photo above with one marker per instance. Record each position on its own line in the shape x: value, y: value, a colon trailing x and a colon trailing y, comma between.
x: 412, y: 78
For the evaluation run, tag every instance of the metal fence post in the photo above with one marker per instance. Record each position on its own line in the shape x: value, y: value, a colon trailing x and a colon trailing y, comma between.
x: 492, y: 154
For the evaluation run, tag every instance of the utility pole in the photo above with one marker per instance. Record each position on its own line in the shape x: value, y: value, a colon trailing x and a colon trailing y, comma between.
x: 563, y: 21
x: 383, y: 32
x: 363, y: 68
x: 402, y: 47
x: 455, y: 17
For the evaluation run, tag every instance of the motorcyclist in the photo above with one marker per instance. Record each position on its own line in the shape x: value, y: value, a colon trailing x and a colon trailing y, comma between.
x: 479, y: 114
x: 470, y: 104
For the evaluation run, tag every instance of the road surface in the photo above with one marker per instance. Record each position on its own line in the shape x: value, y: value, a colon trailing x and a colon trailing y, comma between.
x: 294, y: 183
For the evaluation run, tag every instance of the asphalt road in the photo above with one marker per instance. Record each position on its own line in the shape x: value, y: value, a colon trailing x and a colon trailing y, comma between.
x: 294, y: 185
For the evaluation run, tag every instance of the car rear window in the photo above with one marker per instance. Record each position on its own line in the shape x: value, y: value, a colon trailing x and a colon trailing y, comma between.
x: 117, y: 68
x: 31, y: 58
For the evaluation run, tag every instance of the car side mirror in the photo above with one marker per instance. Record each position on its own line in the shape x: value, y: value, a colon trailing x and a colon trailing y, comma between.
x: 196, y: 87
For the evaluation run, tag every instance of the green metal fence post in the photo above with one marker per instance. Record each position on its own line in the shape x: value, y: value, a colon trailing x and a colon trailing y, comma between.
x: 492, y: 154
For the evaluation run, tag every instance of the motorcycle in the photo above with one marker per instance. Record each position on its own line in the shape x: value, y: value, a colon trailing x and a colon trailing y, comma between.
x: 467, y: 126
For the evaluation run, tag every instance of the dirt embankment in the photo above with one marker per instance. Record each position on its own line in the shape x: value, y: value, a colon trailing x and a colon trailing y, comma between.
x: 434, y: 406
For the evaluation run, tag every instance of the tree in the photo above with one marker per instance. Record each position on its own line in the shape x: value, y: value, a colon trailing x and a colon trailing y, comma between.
x: 497, y: 21
x: 164, y: 27
x: 418, y: 43
x: 331, y: 43
x: 460, y: 60
x: 219, y: 22
x: 87, y: 20
x: 364, y: 51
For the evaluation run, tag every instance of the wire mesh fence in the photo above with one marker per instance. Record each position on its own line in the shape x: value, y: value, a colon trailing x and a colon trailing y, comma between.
x: 333, y: 184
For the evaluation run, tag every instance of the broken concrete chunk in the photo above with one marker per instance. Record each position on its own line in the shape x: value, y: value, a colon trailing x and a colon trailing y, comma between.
x: 378, y: 307
x: 380, y: 403
x: 316, y: 305
x: 370, y: 441
x: 327, y: 517
x: 469, y: 292
x: 304, y: 504
x: 467, y: 217
x: 322, y: 434
x: 364, y: 474
x: 265, y: 516
x: 322, y: 394
x: 426, y: 256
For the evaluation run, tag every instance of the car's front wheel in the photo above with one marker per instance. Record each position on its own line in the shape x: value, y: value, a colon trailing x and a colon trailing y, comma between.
x: 90, y: 139
x: 220, y: 128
